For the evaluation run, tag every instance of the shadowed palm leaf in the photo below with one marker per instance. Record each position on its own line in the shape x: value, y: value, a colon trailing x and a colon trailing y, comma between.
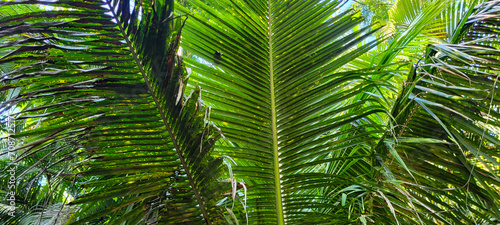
x: 106, y: 73
x: 446, y: 130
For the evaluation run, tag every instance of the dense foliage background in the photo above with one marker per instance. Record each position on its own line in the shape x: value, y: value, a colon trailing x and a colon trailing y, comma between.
x: 250, y: 112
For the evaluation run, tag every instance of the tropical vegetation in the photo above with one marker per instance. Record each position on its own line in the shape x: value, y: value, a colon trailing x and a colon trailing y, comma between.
x: 250, y: 112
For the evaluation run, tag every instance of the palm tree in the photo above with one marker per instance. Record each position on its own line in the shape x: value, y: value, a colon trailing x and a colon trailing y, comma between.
x: 291, y: 114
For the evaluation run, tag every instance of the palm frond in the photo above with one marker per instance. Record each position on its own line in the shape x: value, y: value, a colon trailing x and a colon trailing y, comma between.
x: 278, y: 96
x: 106, y: 74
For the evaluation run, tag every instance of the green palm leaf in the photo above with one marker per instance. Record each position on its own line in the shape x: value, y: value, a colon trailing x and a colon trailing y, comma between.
x: 106, y: 73
x: 278, y: 98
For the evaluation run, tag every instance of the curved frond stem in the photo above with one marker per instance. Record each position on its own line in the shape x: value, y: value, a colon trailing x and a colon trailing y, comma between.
x: 163, y: 116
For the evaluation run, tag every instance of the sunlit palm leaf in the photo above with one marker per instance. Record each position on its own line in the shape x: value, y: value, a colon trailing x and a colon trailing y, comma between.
x: 279, y: 101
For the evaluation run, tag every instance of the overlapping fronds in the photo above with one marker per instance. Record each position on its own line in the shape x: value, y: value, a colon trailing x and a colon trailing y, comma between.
x: 322, y: 125
x: 443, y: 153
x: 412, y: 24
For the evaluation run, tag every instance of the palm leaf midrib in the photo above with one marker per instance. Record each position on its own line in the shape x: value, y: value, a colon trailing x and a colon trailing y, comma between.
x: 274, y: 123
